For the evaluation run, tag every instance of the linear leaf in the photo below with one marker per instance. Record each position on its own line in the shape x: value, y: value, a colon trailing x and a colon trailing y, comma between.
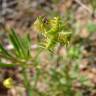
x: 3, y: 65
x: 5, y: 52
x: 17, y: 42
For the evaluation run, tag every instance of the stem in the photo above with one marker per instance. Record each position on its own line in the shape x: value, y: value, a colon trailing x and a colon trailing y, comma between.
x: 68, y: 90
x: 37, y: 70
x: 58, y: 53
x: 26, y: 82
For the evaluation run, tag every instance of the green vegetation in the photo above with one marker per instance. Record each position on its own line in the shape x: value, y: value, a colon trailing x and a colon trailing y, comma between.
x: 62, y: 76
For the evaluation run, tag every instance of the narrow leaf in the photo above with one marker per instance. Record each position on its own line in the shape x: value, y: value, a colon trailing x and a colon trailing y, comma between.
x: 3, y: 65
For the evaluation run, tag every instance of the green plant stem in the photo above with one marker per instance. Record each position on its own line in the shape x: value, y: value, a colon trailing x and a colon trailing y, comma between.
x: 36, y: 64
x: 26, y: 82
x: 68, y: 89
x: 58, y: 53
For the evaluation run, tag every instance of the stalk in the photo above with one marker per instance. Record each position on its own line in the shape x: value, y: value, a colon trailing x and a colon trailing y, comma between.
x: 26, y: 82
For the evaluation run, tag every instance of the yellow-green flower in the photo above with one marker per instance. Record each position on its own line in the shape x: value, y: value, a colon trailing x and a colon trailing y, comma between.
x: 8, y: 83
x: 54, y: 31
x: 40, y: 24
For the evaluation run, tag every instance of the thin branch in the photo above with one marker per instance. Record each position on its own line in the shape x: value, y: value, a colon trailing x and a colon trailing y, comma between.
x: 84, y: 6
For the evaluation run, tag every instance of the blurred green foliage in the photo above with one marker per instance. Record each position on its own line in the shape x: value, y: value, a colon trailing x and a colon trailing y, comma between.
x: 91, y: 27
x: 60, y: 77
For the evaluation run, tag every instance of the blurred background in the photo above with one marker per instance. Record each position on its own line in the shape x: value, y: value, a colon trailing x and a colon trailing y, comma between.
x: 21, y: 14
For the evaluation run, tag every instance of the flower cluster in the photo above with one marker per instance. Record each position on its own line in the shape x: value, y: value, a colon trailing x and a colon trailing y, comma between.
x: 54, y: 31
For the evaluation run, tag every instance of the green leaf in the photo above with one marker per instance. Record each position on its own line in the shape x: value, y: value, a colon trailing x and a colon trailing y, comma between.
x: 74, y: 52
x: 15, y: 41
x: 91, y: 27
x: 21, y: 45
x: 3, y: 65
x: 26, y: 42
x: 4, y: 52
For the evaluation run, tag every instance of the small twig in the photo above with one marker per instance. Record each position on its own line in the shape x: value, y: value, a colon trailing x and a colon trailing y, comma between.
x: 84, y: 6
